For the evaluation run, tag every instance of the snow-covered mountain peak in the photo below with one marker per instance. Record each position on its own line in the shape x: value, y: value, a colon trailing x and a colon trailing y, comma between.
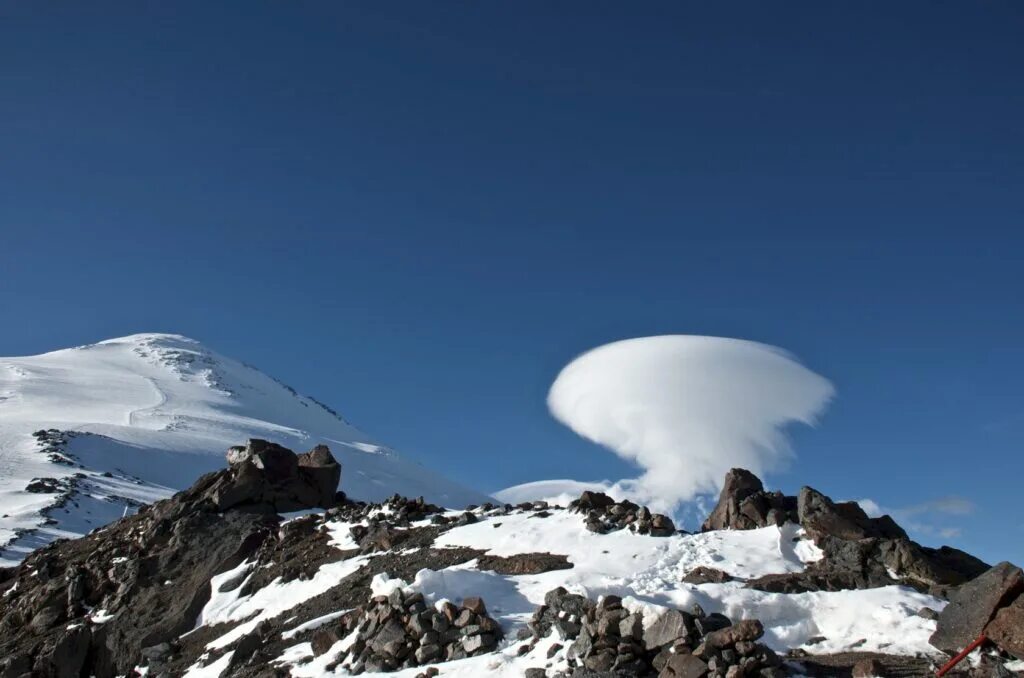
x: 161, y: 409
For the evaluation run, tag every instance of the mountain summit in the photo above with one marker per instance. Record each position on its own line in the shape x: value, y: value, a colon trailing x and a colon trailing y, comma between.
x: 89, y: 433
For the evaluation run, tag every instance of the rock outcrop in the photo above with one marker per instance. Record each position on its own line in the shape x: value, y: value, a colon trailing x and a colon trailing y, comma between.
x: 744, y: 505
x: 859, y: 551
x: 103, y: 604
x: 264, y: 475
x: 606, y: 639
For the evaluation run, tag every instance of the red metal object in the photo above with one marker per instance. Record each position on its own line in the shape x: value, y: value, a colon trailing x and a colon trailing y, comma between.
x: 959, y: 658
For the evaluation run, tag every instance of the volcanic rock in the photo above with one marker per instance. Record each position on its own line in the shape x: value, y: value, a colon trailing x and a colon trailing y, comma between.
x: 974, y: 604
x: 149, y: 574
x: 859, y: 551
x: 1007, y: 629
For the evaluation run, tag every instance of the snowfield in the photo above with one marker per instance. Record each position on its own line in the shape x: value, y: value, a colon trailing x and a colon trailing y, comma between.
x: 645, y: 571
x: 142, y: 417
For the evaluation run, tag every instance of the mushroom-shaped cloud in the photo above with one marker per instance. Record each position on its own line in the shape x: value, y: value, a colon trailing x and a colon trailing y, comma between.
x: 687, y: 408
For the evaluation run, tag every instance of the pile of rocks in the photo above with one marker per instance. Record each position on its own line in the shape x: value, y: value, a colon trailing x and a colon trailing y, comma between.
x: 400, y: 631
x: 608, y: 639
x: 604, y: 515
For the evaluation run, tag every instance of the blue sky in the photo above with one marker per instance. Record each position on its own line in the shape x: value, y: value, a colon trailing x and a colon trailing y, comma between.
x: 419, y: 213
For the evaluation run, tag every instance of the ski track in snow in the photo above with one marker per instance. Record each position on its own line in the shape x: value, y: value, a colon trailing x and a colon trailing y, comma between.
x: 161, y: 400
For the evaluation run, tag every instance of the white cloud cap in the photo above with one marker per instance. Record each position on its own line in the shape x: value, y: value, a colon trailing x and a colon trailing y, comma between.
x: 687, y: 408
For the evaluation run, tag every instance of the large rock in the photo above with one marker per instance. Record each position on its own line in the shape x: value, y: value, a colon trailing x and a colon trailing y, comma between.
x: 739, y: 484
x: 265, y: 475
x: 1007, y: 629
x: 819, y: 515
x: 746, y: 629
x: 684, y: 666
x: 974, y: 605
x: 744, y: 505
x: 666, y: 629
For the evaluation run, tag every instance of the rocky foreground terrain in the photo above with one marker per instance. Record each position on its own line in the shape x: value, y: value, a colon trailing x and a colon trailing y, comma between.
x: 215, y: 582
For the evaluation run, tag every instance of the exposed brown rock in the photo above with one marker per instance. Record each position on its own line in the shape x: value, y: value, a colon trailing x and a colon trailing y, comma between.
x: 1007, y: 629
x: 975, y: 604
x: 524, y: 563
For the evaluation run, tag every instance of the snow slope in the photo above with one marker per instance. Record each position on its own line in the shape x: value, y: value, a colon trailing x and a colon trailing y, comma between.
x: 143, y: 416
x: 645, y: 571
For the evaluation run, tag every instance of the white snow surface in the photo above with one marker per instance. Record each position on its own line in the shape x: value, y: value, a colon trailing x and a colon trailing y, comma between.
x: 150, y: 413
x: 645, y: 571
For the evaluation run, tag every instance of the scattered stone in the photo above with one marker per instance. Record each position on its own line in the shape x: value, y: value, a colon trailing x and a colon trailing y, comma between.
x: 400, y: 631
x: 706, y: 575
x: 608, y: 640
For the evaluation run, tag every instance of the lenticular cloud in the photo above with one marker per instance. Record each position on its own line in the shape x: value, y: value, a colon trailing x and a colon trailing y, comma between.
x: 686, y: 409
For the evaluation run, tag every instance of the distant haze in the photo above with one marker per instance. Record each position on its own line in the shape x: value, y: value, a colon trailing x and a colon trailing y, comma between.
x: 686, y: 409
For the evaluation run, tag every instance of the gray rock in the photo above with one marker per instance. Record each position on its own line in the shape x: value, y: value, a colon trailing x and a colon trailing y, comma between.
x: 974, y: 605
x: 428, y: 653
x: 666, y: 629
x: 1007, y: 628
x: 684, y: 666
x: 482, y: 642
x: 745, y: 630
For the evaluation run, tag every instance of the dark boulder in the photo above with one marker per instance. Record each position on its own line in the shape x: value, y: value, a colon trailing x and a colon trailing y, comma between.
x: 819, y: 515
x: 1007, y: 629
x: 739, y: 484
x: 684, y: 666
x: 746, y: 629
x: 264, y: 474
x: 744, y: 505
x: 974, y: 605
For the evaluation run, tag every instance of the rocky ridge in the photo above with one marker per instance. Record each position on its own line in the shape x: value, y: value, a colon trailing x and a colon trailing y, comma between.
x: 859, y: 551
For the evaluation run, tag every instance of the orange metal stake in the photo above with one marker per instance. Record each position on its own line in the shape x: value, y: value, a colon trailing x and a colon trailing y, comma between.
x: 959, y: 658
